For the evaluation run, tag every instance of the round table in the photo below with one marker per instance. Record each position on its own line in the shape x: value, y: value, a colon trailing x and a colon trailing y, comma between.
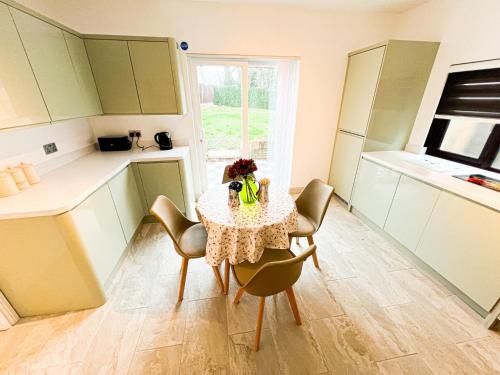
x: 236, y: 234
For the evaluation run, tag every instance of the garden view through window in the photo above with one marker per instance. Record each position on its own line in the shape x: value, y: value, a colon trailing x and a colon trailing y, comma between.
x: 238, y: 105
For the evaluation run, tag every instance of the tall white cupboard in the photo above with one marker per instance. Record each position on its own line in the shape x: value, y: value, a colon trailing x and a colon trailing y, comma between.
x: 383, y: 88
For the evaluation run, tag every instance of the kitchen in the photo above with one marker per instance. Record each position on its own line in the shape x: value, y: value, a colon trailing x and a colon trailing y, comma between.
x: 118, y: 82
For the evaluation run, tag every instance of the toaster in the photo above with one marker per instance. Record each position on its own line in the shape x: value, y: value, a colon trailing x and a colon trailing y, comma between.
x: 114, y: 143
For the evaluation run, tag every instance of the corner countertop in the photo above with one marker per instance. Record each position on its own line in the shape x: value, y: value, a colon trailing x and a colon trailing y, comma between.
x: 66, y: 187
x: 439, y: 173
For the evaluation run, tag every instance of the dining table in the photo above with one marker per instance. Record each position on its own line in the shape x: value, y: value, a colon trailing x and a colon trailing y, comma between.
x: 241, y: 233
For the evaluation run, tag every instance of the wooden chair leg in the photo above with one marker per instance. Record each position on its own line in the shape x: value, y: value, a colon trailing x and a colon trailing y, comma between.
x: 297, y: 241
x: 290, y: 242
x: 293, y: 305
x: 238, y: 296
x: 218, y: 278
x: 227, y: 266
x: 182, y: 281
x: 260, y: 317
x: 310, y: 241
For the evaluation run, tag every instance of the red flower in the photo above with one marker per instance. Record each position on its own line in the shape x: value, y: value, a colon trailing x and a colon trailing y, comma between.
x: 241, y: 167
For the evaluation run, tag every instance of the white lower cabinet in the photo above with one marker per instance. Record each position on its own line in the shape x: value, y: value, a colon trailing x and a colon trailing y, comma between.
x: 462, y: 243
x: 374, y: 190
x: 410, y: 210
x: 98, y: 231
x: 162, y: 178
x: 127, y: 201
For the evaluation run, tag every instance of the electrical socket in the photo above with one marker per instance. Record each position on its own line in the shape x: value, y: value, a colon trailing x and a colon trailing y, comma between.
x: 134, y: 133
x: 50, y: 148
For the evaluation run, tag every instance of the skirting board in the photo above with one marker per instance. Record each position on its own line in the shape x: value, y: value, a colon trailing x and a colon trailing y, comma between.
x: 8, y: 316
x: 489, y: 317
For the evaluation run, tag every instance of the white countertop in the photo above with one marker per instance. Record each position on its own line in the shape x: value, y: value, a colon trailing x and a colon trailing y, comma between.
x: 439, y: 173
x: 66, y: 187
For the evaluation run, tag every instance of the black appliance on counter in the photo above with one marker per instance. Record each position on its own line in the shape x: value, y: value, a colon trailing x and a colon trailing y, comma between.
x: 114, y: 143
x: 164, y: 140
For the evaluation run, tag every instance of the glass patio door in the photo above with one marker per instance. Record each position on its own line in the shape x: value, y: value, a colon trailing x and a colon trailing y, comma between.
x: 236, y: 113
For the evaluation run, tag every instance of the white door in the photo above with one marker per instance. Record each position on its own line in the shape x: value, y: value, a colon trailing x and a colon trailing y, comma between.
x: 236, y: 106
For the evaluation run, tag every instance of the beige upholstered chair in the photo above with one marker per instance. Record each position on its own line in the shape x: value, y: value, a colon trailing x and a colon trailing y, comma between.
x: 312, y: 204
x: 225, y: 177
x: 275, y: 272
x: 190, y: 238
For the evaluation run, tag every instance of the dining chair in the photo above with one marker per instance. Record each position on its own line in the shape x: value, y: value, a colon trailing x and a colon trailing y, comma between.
x: 189, y: 237
x: 312, y: 204
x: 276, y: 271
x: 225, y: 177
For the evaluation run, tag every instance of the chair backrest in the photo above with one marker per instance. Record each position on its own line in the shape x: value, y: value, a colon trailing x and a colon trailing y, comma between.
x: 172, y: 219
x: 226, y: 178
x: 313, y: 201
x: 274, y: 277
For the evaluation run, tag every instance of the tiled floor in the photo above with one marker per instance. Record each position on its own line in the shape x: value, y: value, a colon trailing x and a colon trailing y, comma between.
x: 367, y: 310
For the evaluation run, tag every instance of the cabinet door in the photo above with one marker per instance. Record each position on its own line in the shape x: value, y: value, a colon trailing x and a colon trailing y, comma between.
x: 81, y: 65
x: 461, y: 241
x: 49, y: 57
x: 359, y: 90
x: 127, y: 201
x: 98, y: 228
x: 410, y: 210
x: 162, y: 179
x: 374, y: 191
x: 345, y: 163
x: 110, y: 61
x: 153, y: 76
x: 21, y: 101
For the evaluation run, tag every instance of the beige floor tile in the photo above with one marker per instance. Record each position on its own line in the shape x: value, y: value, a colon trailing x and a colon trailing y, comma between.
x: 343, y: 346
x: 313, y: 297
x: 431, y: 340
x: 484, y: 353
x: 243, y: 316
x: 298, y: 351
x: 165, y: 321
x: 205, y: 346
x: 164, y: 361
x: 245, y: 361
x: 114, y: 345
x: 382, y: 336
x: 408, y: 365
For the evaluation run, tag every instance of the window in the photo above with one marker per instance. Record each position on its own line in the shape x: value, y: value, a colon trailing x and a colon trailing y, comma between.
x: 466, y: 127
x: 468, y: 141
x: 466, y: 137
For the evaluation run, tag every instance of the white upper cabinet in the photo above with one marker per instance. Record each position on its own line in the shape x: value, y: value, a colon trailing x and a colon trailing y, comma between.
x: 359, y: 90
x: 49, y: 57
x: 21, y: 102
x: 91, y: 104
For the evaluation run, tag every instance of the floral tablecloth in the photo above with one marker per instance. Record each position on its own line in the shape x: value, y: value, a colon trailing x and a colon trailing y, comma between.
x: 241, y: 233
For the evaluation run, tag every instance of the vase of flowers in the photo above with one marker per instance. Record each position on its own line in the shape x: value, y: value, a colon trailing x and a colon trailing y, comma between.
x: 244, y: 169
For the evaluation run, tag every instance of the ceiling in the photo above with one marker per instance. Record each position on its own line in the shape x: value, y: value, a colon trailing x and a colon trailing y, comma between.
x: 392, y: 6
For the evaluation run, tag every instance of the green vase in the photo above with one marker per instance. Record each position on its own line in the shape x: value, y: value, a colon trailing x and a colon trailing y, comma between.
x: 248, y: 193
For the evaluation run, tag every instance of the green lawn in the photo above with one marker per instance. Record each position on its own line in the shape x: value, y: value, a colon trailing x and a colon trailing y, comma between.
x: 222, y: 125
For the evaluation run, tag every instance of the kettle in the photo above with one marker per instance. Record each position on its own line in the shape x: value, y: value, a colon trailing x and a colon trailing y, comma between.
x: 164, y: 140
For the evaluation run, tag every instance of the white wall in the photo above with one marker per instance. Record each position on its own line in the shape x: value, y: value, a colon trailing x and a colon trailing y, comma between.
x: 321, y: 38
x: 73, y: 138
x: 468, y: 31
